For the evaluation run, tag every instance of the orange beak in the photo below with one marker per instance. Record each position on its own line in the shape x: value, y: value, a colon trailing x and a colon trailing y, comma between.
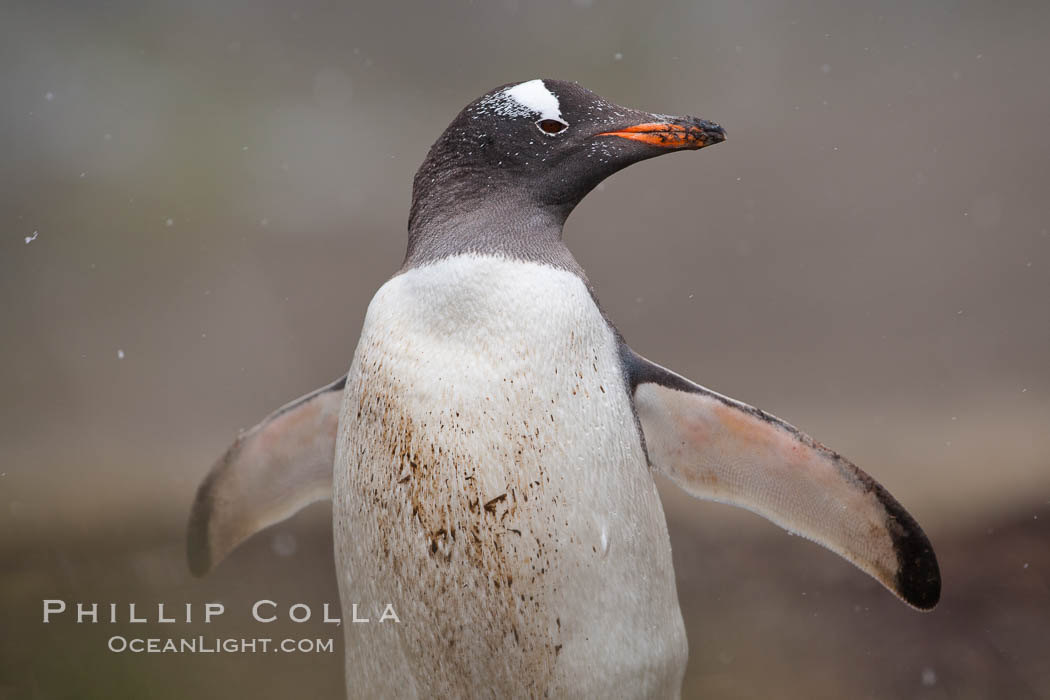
x: 678, y: 136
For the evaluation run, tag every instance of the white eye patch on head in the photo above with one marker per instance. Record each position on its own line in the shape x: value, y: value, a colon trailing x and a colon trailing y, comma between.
x: 531, y: 98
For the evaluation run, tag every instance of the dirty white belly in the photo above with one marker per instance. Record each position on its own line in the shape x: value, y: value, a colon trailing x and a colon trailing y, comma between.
x: 490, y: 484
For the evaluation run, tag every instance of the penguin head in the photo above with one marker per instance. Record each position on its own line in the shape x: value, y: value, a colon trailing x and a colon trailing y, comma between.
x: 543, y: 145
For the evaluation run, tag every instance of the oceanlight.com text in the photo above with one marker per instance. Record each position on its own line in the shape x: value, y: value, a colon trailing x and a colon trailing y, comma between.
x: 217, y: 645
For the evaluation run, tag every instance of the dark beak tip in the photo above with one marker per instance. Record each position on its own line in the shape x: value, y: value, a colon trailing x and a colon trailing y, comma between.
x: 713, y: 133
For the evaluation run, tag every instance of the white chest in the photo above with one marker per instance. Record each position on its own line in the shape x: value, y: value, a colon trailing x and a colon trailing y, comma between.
x: 491, y: 483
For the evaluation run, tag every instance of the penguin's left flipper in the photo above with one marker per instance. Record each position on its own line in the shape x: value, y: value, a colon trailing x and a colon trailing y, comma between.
x: 268, y: 474
x: 722, y: 450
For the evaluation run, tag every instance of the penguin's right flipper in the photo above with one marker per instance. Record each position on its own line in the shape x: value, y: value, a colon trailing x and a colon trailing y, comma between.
x: 268, y: 474
x: 719, y: 449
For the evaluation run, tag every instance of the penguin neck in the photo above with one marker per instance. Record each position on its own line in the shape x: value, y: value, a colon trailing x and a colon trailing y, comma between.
x: 504, y: 227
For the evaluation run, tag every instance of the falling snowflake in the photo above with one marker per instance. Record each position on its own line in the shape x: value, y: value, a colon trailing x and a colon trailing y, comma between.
x: 284, y: 544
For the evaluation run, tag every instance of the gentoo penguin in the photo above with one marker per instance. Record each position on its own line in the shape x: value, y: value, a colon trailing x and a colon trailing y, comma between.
x: 495, y: 439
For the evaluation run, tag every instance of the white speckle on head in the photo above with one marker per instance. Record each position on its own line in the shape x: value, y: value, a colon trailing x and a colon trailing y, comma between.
x: 30, y: 239
x: 522, y: 100
x: 120, y: 354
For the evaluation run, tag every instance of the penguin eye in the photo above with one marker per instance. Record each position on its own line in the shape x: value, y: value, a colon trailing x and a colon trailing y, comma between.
x: 551, y: 126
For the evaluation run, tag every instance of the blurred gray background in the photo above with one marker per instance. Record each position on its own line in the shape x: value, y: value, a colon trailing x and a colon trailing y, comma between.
x: 211, y: 192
